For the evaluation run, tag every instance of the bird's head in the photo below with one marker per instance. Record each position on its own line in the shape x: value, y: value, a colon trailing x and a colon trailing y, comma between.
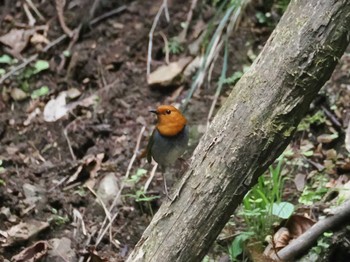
x: 170, y: 120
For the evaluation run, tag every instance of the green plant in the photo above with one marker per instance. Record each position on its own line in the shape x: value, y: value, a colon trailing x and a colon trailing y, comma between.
x: 140, y: 195
x: 56, y: 219
x: 29, y: 72
x: 263, y: 206
x: 316, y: 191
x: 316, y: 119
x: 44, y: 90
x: 175, y: 46
x: 236, y: 247
x: 323, y: 244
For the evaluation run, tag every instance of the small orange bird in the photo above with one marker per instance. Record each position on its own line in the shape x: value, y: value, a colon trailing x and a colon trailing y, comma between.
x: 170, y: 137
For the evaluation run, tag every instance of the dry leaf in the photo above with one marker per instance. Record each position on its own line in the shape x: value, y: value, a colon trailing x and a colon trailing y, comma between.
x: 17, y: 39
x: 326, y: 138
x: 39, y: 39
x: 86, y: 173
x: 297, y: 225
x: 281, y: 238
x: 299, y: 181
x: 32, y: 253
x: 164, y: 75
x: 23, y: 231
x: 56, y: 108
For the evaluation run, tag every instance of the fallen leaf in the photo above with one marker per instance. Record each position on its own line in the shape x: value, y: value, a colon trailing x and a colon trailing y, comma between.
x: 32, y: 253
x: 38, y: 39
x: 281, y: 238
x: 23, y: 231
x: 73, y: 93
x: 86, y: 173
x: 17, y: 39
x: 56, y: 108
x: 299, y: 181
x: 327, y: 138
x: 164, y: 75
x: 297, y: 225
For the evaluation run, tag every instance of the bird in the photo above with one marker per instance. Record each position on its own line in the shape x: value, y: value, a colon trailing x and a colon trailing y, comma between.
x: 169, y: 139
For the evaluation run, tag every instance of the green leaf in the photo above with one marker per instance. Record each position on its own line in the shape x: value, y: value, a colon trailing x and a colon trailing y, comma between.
x: 283, y: 210
x: 6, y: 59
x: 66, y: 53
x: 44, y: 90
x: 2, y: 71
x: 236, y: 247
x: 40, y: 65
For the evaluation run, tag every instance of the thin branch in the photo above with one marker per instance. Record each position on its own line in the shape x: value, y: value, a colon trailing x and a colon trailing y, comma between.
x: 108, y: 14
x: 166, y: 47
x: 164, y: 6
x: 153, y: 172
x: 183, y: 34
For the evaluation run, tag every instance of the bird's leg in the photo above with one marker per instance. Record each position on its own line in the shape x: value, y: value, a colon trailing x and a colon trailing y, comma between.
x: 166, y: 187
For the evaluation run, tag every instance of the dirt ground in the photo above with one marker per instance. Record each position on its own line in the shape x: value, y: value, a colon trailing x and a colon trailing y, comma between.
x: 52, y: 170
x: 46, y: 164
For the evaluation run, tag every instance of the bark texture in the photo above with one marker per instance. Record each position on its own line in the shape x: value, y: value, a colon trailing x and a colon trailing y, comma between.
x: 251, y: 129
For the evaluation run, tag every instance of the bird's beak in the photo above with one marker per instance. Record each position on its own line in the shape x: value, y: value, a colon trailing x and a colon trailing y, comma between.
x: 153, y: 111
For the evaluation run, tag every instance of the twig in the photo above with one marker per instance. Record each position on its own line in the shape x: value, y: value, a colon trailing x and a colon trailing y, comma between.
x: 32, y: 6
x: 329, y: 114
x: 59, y: 8
x: 164, y: 6
x: 69, y: 144
x: 341, y: 216
x: 183, y: 34
x: 103, y: 230
x: 108, y: 14
x: 153, y: 172
x: 29, y: 15
x: 166, y: 47
x: 108, y: 214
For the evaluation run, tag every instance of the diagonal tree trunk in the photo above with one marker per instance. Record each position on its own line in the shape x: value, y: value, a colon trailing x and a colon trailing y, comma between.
x: 251, y: 129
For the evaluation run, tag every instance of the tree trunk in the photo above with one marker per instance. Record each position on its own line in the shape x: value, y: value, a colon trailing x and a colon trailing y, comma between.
x: 251, y: 129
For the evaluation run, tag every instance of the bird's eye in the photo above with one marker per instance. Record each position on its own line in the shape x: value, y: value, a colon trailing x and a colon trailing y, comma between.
x: 168, y: 112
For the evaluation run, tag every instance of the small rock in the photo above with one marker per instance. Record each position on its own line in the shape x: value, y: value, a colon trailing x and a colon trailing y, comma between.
x: 326, y: 138
x: 18, y: 94
x: 108, y: 188
x: 5, y: 212
x: 32, y: 193
x: 60, y: 251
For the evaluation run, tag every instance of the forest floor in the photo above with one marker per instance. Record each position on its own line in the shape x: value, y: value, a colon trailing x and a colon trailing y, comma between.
x: 55, y: 174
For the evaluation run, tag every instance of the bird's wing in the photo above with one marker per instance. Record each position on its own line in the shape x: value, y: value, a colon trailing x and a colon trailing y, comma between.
x: 149, y: 147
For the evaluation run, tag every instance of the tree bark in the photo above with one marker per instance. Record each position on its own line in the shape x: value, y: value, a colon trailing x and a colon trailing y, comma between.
x: 251, y: 129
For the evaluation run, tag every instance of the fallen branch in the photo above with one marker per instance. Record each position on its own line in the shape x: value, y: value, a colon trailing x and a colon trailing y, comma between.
x: 299, y: 246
